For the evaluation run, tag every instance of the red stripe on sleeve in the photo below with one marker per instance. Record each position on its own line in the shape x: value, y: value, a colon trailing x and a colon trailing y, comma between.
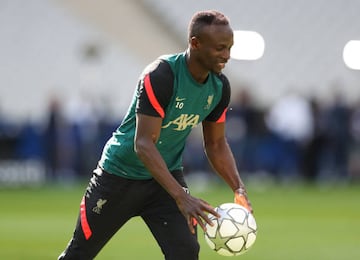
x: 222, y: 118
x: 84, y: 223
x: 153, y: 100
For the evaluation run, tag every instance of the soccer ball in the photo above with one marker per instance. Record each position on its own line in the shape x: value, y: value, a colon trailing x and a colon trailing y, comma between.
x: 234, y: 232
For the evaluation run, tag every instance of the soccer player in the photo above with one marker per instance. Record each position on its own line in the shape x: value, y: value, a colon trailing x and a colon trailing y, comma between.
x: 140, y: 170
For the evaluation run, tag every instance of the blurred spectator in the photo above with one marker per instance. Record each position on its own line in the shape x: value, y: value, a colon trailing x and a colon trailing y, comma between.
x: 315, y: 145
x: 51, y: 138
x: 291, y: 121
x: 244, y: 125
x: 8, y: 138
x: 335, y: 152
x: 354, y: 156
x: 83, y: 117
x: 291, y: 117
x: 60, y: 145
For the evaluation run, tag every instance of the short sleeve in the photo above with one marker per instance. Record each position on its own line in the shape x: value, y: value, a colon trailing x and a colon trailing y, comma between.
x: 155, y: 89
x: 219, y: 113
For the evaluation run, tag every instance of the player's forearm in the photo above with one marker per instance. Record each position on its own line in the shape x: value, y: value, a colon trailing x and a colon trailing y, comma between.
x: 223, y: 162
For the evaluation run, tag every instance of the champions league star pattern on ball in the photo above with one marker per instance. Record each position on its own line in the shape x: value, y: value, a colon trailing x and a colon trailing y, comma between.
x: 234, y: 232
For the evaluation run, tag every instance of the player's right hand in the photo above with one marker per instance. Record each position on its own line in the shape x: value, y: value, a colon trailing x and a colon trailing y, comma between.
x: 196, y: 211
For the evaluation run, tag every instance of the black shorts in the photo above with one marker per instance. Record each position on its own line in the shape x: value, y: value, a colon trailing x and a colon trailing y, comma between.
x: 110, y: 201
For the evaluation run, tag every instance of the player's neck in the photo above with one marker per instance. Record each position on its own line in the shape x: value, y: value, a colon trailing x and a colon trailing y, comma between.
x: 197, y: 72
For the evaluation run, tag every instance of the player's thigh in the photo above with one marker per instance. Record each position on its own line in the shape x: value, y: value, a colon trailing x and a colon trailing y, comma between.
x: 105, y: 207
x: 172, y: 233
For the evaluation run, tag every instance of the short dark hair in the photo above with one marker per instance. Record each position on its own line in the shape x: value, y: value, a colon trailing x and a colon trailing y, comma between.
x: 205, y: 18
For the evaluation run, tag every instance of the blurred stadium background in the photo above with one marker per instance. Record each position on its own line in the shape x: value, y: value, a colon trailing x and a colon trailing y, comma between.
x: 69, y: 68
x: 68, y: 71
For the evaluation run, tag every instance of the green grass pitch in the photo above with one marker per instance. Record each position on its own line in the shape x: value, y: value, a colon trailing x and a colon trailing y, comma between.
x: 295, y: 222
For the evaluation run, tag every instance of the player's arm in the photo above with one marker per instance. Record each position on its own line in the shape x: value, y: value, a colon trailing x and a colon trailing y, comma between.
x: 153, y: 98
x: 147, y: 133
x: 222, y: 160
x: 218, y: 150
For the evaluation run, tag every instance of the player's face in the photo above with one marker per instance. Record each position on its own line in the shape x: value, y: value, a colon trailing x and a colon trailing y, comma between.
x: 214, y: 47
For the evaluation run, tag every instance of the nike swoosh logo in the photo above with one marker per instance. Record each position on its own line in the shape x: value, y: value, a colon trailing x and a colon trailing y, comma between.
x: 179, y: 99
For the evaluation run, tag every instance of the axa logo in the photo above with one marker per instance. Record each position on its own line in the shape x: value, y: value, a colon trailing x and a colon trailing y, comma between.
x: 184, y: 121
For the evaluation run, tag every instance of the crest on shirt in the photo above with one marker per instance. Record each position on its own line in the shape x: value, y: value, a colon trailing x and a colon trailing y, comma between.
x: 209, y: 101
x: 99, y: 204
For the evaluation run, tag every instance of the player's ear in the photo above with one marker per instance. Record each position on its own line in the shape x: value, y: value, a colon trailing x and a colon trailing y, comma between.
x: 194, y: 42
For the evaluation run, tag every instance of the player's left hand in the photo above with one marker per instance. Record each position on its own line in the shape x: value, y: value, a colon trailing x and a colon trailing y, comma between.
x: 241, y: 198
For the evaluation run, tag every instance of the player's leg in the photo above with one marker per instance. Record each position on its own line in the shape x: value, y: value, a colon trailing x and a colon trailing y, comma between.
x: 105, y: 197
x: 169, y: 226
x: 173, y: 236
